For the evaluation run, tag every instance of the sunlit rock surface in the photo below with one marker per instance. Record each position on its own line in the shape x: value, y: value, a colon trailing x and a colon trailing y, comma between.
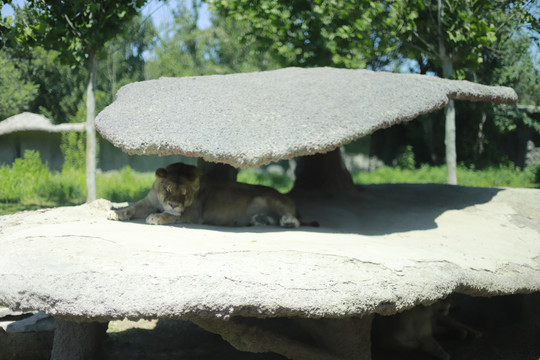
x: 394, y: 247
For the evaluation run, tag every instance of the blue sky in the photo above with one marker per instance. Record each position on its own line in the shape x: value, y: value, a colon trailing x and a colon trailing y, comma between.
x: 161, y: 12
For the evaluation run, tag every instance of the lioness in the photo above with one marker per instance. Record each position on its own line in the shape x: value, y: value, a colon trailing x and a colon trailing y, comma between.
x: 181, y: 194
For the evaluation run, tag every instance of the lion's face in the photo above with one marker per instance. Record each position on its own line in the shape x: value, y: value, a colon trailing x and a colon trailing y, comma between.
x: 176, y: 188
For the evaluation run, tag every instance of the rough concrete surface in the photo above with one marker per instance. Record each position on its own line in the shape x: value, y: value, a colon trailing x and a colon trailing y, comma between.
x: 34, y: 122
x: 394, y: 247
x: 247, y: 120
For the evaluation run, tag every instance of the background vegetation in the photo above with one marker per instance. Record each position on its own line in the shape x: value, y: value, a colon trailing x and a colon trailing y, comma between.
x: 28, y: 184
x: 495, y: 42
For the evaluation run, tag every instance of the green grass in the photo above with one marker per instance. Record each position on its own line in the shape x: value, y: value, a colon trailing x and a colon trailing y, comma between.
x: 504, y: 176
x: 282, y: 183
x: 28, y: 184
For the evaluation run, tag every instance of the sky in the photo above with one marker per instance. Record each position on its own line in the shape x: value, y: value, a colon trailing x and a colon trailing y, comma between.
x: 161, y: 12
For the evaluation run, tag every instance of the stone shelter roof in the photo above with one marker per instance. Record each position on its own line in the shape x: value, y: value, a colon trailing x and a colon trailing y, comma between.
x: 34, y: 122
x: 248, y: 120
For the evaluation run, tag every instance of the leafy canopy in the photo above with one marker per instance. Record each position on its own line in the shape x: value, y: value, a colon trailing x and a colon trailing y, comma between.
x: 77, y: 28
x: 310, y: 33
x: 460, y: 32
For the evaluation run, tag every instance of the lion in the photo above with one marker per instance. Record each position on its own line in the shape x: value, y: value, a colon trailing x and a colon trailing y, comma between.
x: 180, y: 194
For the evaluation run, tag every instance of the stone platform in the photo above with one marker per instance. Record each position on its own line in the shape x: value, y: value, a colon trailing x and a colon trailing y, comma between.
x: 391, y: 248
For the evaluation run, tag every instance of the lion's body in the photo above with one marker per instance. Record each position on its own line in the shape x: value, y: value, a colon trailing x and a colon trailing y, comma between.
x: 181, y: 195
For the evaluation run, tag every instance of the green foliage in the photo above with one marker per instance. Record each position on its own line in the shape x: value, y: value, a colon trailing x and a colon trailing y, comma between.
x: 503, y: 176
x: 458, y: 32
x: 310, y: 33
x: 233, y: 51
x: 124, y: 185
x: 187, y: 50
x: 59, y: 88
x: 74, y: 150
x: 5, y: 26
x: 16, y: 93
x: 28, y: 184
x: 27, y: 179
x: 123, y: 61
x: 182, y: 49
x: 406, y: 159
x: 278, y: 181
x: 66, y: 187
x: 77, y: 29
x: 514, y: 65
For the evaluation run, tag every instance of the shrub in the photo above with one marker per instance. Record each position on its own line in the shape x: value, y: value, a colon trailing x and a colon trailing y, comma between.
x: 74, y: 150
x: 124, y: 185
x: 27, y: 179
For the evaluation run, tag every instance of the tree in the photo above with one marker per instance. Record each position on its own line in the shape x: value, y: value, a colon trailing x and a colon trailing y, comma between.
x: 125, y: 56
x: 78, y: 30
x: 451, y: 34
x: 16, y: 93
x: 310, y: 33
x: 187, y: 50
x: 182, y: 50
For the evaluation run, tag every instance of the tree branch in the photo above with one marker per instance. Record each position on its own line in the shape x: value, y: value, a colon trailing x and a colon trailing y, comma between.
x: 428, y: 48
x: 512, y: 16
x: 77, y: 32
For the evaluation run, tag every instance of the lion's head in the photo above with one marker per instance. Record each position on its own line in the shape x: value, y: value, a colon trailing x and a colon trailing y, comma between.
x: 177, y: 186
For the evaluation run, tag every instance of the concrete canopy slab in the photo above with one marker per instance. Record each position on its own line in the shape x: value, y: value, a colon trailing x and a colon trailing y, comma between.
x: 247, y: 120
x: 395, y: 247
x: 34, y: 122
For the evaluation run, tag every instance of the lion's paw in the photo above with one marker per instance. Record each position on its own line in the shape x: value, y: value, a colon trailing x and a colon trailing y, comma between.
x: 154, y: 219
x: 289, y: 221
x: 112, y: 215
x: 261, y: 220
x: 118, y: 215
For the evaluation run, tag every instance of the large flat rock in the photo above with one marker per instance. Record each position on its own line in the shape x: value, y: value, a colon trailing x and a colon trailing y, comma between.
x: 393, y: 247
x: 247, y: 120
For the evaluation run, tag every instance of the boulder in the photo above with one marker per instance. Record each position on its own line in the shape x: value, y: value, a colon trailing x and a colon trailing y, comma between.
x: 252, y: 119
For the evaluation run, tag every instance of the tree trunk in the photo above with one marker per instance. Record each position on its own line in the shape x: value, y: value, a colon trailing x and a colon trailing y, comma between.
x: 481, y: 136
x: 323, y: 174
x: 449, y: 110
x: 91, y: 193
x: 450, y: 132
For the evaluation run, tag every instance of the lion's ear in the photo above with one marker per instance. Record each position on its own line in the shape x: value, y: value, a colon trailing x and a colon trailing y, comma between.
x: 161, y: 173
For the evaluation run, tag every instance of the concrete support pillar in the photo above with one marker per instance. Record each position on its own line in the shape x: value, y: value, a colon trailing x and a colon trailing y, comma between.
x: 324, y: 174
x: 78, y: 341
